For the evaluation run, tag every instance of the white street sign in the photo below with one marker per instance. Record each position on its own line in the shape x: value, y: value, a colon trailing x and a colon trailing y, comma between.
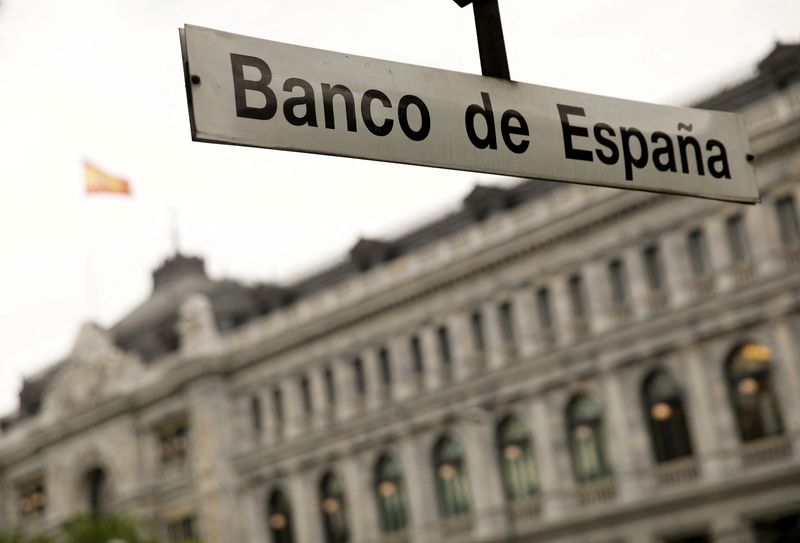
x: 260, y: 93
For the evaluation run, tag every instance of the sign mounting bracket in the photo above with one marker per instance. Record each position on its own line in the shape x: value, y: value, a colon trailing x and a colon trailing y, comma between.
x: 491, y: 44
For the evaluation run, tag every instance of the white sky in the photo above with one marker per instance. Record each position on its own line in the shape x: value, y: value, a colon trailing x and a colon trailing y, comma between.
x: 102, y: 79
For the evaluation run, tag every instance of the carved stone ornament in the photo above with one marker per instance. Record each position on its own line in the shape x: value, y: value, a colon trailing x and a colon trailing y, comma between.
x: 95, y: 370
x: 197, y: 327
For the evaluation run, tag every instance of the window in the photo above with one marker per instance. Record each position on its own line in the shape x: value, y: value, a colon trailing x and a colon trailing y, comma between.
x: 666, y: 419
x: 256, y: 419
x: 619, y: 282
x: 698, y: 253
x: 544, y: 309
x: 586, y: 439
x: 32, y: 499
x: 787, y: 221
x: 416, y: 356
x: 653, y: 268
x: 576, y: 297
x: 784, y: 528
x: 279, y: 515
x: 520, y: 479
x: 391, y: 496
x: 277, y: 406
x: 452, y: 487
x: 96, y: 491
x: 738, y: 243
x: 507, y: 323
x: 183, y: 529
x: 476, y: 320
x: 305, y: 390
x: 385, y: 363
x: 749, y: 376
x: 173, y: 441
x: 358, y: 375
x: 443, y: 337
x: 330, y: 385
x: 333, y: 509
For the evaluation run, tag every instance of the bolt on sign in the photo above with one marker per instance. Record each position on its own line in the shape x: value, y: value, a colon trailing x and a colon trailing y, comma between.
x: 260, y: 93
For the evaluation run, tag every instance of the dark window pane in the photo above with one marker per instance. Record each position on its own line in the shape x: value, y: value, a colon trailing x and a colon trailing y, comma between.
x: 779, y: 529
x: 416, y: 356
x: 666, y: 418
x: 653, y: 268
x: 698, y: 253
x: 358, y: 375
x: 477, y: 331
x: 737, y: 238
x: 576, y: 296
x: 787, y: 220
x: 277, y: 404
x: 305, y: 389
x: 390, y: 495
x: 507, y: 322
x: 619, y: 282
x: 330, y: 385
x: 444, y: 345
x: 385, y: 367
x: 755, y: 405
x: 255, y: 414
x: 544, y: 309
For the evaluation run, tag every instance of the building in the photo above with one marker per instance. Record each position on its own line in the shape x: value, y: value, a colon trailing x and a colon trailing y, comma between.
x: 548, y: 362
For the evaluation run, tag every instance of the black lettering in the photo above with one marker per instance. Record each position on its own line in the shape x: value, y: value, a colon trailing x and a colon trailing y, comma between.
x: 667, y: 150
x: 721, y: 158
x: 425, y: 115
x: 569, y: 131
x: 613, y: 152
x: 627, y: 134
x: 684, y: 142
x: 366, y: 112
x: 506, y: 130
x: 307, y: 101
x: 328, y: 94
x: 486, y: 112
x: 242, y: 85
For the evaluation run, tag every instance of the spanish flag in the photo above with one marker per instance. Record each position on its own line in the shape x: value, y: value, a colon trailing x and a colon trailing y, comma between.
x: 98, y: 181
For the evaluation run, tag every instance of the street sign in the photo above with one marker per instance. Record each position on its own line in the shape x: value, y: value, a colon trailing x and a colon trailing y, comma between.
x: 260, y: 93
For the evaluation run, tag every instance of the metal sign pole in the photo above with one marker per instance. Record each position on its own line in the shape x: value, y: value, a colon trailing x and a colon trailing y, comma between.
x: 491, y: 44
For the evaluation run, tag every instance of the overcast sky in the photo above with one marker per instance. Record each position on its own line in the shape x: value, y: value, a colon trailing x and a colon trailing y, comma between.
x: 102, y: 79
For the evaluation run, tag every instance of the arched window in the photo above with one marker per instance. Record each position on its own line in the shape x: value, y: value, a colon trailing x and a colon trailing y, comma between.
x: 391, y: 494
x: 586, y: 439
x: 666, y: 419
x: 750, y: 388
x: 517, y: 466
x: 452, y: 487
x: 334, y: 509
x: 280, y: 518
x: 96, y: 491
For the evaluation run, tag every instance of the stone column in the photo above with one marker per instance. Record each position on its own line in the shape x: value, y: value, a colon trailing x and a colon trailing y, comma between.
x: 676, y: 268
x: 253, y: 510
x: 765, y: 237
x: 713, y: 444
x: 497, y: 349
x: 346, y: 395
x: 210, y: 441
x: 552, y: 459
x: 463, y: 345
x: 620, y: 437
x: 295, y: 409
x: 360, y: 498
x: 720, y: 253
x: 489, y: 510
x: 434, y: 367
x: 786, y: 380
x: 638, y: 289
x: 563, y: 317
x: 417, y: 460
x: 304, y: 498
x: 402, y: 367
x: 599, y: 309
x: 323, y: 411
x: 523, y: 308
x: 376, y: 391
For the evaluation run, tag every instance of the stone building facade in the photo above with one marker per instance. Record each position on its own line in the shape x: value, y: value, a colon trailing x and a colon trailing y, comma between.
x: 548, y: 362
